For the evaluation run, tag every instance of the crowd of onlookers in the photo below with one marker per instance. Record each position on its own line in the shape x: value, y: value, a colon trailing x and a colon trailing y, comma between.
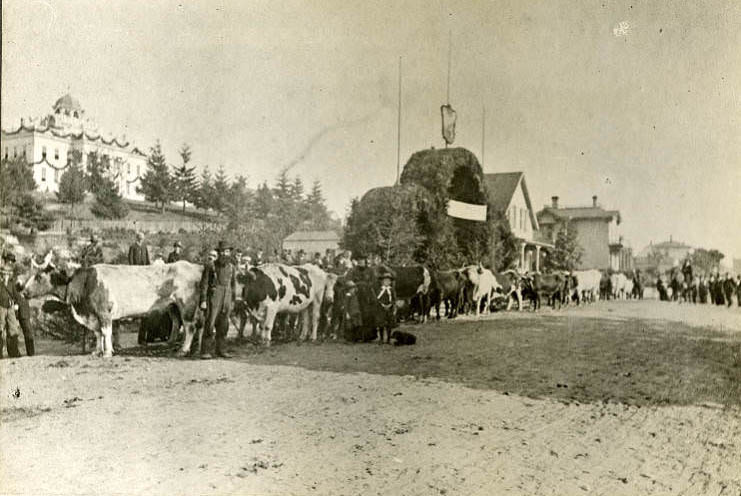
x: 685, y: 286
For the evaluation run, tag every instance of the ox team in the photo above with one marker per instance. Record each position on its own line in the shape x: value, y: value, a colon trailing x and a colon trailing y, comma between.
x: 355, y: 298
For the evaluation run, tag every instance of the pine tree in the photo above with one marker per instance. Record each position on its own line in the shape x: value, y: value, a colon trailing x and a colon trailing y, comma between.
x: 221, y: 190
x: 317, y: 208
x: 97, y: 171
x: 567, y: 252
x: 72, y: 186
x: 108, y: 202
x: 156, y: 185
x: 205, y: 192
x: 16, y: 179
x: 184, y: 179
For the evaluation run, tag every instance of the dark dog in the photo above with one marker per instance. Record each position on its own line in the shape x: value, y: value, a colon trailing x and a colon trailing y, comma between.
x: 402, y: 338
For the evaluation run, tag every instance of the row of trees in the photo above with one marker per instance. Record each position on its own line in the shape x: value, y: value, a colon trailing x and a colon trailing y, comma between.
x: 260, y: 217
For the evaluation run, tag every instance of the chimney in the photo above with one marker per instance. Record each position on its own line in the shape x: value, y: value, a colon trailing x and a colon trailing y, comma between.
x: 594, y: 201
x: 554, y: 201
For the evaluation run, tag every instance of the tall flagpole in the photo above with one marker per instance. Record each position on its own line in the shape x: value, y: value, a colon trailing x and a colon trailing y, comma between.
x: 450, y: 56
x: 398, y: 132
x: 483, y: 136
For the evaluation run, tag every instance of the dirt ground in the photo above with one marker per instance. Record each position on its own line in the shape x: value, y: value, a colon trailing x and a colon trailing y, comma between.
x: 615, y: 398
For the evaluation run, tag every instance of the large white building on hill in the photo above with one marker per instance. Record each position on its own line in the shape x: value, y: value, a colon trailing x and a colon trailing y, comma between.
x: 45, y: 142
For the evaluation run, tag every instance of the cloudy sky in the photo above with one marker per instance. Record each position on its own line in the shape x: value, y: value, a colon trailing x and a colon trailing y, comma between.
x: 637, y: 102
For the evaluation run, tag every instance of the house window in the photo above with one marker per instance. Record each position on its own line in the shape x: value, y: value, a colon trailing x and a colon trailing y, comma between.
x: 24, y: 152
x: 43, y: 173
x: 56, y: 175
x: 43, y: 152
x: 56, y: 154
x: 15, y: 152
x: 129, y: 169
x: 6, y: 153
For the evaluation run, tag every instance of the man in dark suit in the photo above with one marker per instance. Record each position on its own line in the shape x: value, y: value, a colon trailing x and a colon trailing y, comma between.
x: 138, y: 252
x: 93, y: 253
x: 217, y: 295
x: 9, y: 327
x: 174, y: 255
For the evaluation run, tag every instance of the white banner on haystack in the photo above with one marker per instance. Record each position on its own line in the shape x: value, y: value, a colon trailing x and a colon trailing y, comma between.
x: 468, y: 211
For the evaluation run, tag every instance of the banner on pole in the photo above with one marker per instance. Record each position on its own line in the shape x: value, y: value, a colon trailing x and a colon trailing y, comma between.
x: 468, y: 211
x: 449, y: 118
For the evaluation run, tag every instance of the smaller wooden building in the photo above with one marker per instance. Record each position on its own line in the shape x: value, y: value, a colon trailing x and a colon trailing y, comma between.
x: 312, y: 242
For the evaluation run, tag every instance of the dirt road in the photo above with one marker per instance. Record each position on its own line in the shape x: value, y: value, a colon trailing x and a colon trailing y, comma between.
x: 144, y: 425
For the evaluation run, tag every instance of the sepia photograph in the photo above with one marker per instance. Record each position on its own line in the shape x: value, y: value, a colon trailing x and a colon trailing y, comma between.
x: 342, y: 247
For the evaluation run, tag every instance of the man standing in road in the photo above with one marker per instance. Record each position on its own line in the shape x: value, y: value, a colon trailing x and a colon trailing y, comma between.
x: 93, y: 253
x: 9, y: 328
x: 174, y: 255
x: 217, y: 288
x: 138, y: 252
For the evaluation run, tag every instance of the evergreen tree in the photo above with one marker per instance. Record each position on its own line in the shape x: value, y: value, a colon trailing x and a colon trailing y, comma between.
x: 156, y: 185
x: 184, y: 179
x: 72, y: 186
x: 32, y: 214
x: 317, y: 208
x: 221, y: 190
x: 264, y: 202
x: 205, y: 192
x: 108, y: 202
x: 567, y: 252
x: 16, y: 179
x: 98, y: 170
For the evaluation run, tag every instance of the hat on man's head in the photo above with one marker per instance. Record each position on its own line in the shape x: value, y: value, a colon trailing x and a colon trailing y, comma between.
x: 221, y: 246
x: 213, y: 253
x: 386, y: 275
x: 177, y: 244
x: 93, y: 237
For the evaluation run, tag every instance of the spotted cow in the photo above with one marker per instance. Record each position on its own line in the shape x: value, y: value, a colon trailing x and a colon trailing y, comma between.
x: 275, y: 288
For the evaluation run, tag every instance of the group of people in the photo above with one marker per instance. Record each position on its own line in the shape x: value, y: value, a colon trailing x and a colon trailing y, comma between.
x: 714, y: 289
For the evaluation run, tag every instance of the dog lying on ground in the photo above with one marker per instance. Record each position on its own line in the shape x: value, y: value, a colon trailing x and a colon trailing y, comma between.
x: 402, y: 338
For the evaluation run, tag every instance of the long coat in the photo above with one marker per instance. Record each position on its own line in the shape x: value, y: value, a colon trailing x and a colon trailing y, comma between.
x: 138, y: 254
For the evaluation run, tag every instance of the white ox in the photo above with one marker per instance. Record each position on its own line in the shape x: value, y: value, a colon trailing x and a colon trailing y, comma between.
x: 587, y: 284
x: 618, y: 282
x: 103, y: 293
x: 482, y: 284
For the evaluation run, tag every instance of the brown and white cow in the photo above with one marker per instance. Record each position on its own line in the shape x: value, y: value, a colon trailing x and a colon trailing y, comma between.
x: 103, y: 293
x: 510, y: 284
x: 481, y: 286
x: 275, y: 288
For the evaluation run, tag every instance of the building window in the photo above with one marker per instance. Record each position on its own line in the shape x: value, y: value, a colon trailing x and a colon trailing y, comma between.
x: 43, y: 152
x: 137, y: 171
x: 56, y: 175
x: 15, y: 152
x: 43, y: 173
x: 6, y: 153
x: 75, y: 114
x: 56, y: 154
x: 57, y: 111
x: 129, y: 169
x: 24, y: 152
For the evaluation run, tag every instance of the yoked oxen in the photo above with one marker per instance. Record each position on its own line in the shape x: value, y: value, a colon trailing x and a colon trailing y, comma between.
x: 510, y: 283
x: 587, y: 285
x: 481, y: 286
x: 275, y: 288
x: 548, y: 286
x: 103, y: 293
x: 446, y: 287
x: 412, y: 284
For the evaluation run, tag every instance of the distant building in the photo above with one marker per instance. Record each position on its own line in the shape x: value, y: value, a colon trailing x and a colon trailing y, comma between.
x: 597, y: 234
x: 45, y: 143
x: 508, y: 194
x: 660, y: 257
x: 312, y: 242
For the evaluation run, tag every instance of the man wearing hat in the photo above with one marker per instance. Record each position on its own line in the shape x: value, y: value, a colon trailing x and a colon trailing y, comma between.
x: 93, y: 253
x: 218, y: 285
x: 9, y: 327
x: 387, y: 300
x: 174, y: 255
x: 138, y: 251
